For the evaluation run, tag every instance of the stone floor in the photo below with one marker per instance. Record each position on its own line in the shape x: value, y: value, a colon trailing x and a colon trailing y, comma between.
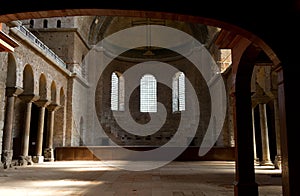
x: 89, y: 178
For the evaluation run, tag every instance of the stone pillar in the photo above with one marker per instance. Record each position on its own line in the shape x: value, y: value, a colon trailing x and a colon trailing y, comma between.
x: 42, y: 104
x: 7, y: 153
x: 24, y: 158
x: 277, y: 162
x: 49, y: 151
x: 244, y: 164
x: 266, y: 161
x: 256, y: 160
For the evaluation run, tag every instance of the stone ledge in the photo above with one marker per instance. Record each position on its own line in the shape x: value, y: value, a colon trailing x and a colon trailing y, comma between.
x: 112, y: 153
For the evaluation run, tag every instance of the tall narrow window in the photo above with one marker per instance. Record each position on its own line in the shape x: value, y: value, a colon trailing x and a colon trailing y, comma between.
x: 31, y: 23
x: 114, y: 100
x: 45, y: 23
x: 58, y: 24
x: 148, y: 102
x: 178, y: 92
x: 117, y: 92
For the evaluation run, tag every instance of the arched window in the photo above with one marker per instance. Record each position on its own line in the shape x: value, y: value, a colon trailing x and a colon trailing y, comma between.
x: 178, y: 92
x: 58, y: 24
x: 148, y: 99
x: 117, y: 92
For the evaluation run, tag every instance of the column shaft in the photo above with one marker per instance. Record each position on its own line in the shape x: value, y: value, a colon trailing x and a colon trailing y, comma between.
x: 277, y: 132
x: 254, y: 140
x: 8, y: 123
x: 264, y: 136
x: 24, y: 158
x: 244, y: 164
x: 41, y: 103
x: 39, y: 145
x: 50, y: 129
x: 48, y: 152
x: 26, y: 133
x: 6, y: 157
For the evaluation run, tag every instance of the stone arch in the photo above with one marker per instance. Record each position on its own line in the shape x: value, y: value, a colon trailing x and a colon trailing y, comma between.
x: 28, y: 80
x: 203, y: 17
x: 11, y: 80
x: 53, y: 92
x: 43, y: 87
x: 243, y: 112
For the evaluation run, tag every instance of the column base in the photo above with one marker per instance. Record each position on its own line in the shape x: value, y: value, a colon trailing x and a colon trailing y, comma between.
x: 244, y: 188
x: 25, y: 160
x: 38, y: 159
x: 266, y: 163
x: 277, y: 162
x: 48, y: 155
x: 256, y: 161
x: 6, y: 158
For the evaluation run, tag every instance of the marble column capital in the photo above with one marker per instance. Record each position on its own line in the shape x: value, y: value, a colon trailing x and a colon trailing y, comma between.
x: 42, y: 103
x: 13, y: 91
x: 53, y: 107
x: 29, y: 97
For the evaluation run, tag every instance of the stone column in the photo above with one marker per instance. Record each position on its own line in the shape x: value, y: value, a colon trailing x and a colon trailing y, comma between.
x: 277, y: 162
x: 244, y: 164
x: 49, y: 151
x: 7, y: 153
x: 24, y: 158
x: 42, y: 104
x: 264, y: 136
x: 256, y: 160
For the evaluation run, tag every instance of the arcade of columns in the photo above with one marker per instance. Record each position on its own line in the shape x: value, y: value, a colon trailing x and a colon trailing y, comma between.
x: 25, y: 159
x: 30, y: 80
x: 264, y: 83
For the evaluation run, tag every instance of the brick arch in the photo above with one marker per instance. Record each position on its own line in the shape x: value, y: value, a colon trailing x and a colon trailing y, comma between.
x: 236, y: 25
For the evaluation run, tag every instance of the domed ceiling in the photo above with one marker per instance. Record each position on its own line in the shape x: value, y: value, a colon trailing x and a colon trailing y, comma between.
x: 104, y: 26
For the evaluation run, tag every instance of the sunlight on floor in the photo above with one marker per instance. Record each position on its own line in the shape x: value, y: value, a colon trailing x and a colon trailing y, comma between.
x: 89, y: 178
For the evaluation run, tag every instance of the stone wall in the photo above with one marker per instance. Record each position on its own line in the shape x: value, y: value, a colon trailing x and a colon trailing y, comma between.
x: 36, y: 60
x: 3, y: 74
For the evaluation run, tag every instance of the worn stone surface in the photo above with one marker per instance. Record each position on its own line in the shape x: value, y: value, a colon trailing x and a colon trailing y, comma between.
x: 86, y: 178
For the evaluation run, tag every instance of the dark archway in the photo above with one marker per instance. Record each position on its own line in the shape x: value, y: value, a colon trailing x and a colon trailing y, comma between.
x: 28, y: 80
x: 43, y: 87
